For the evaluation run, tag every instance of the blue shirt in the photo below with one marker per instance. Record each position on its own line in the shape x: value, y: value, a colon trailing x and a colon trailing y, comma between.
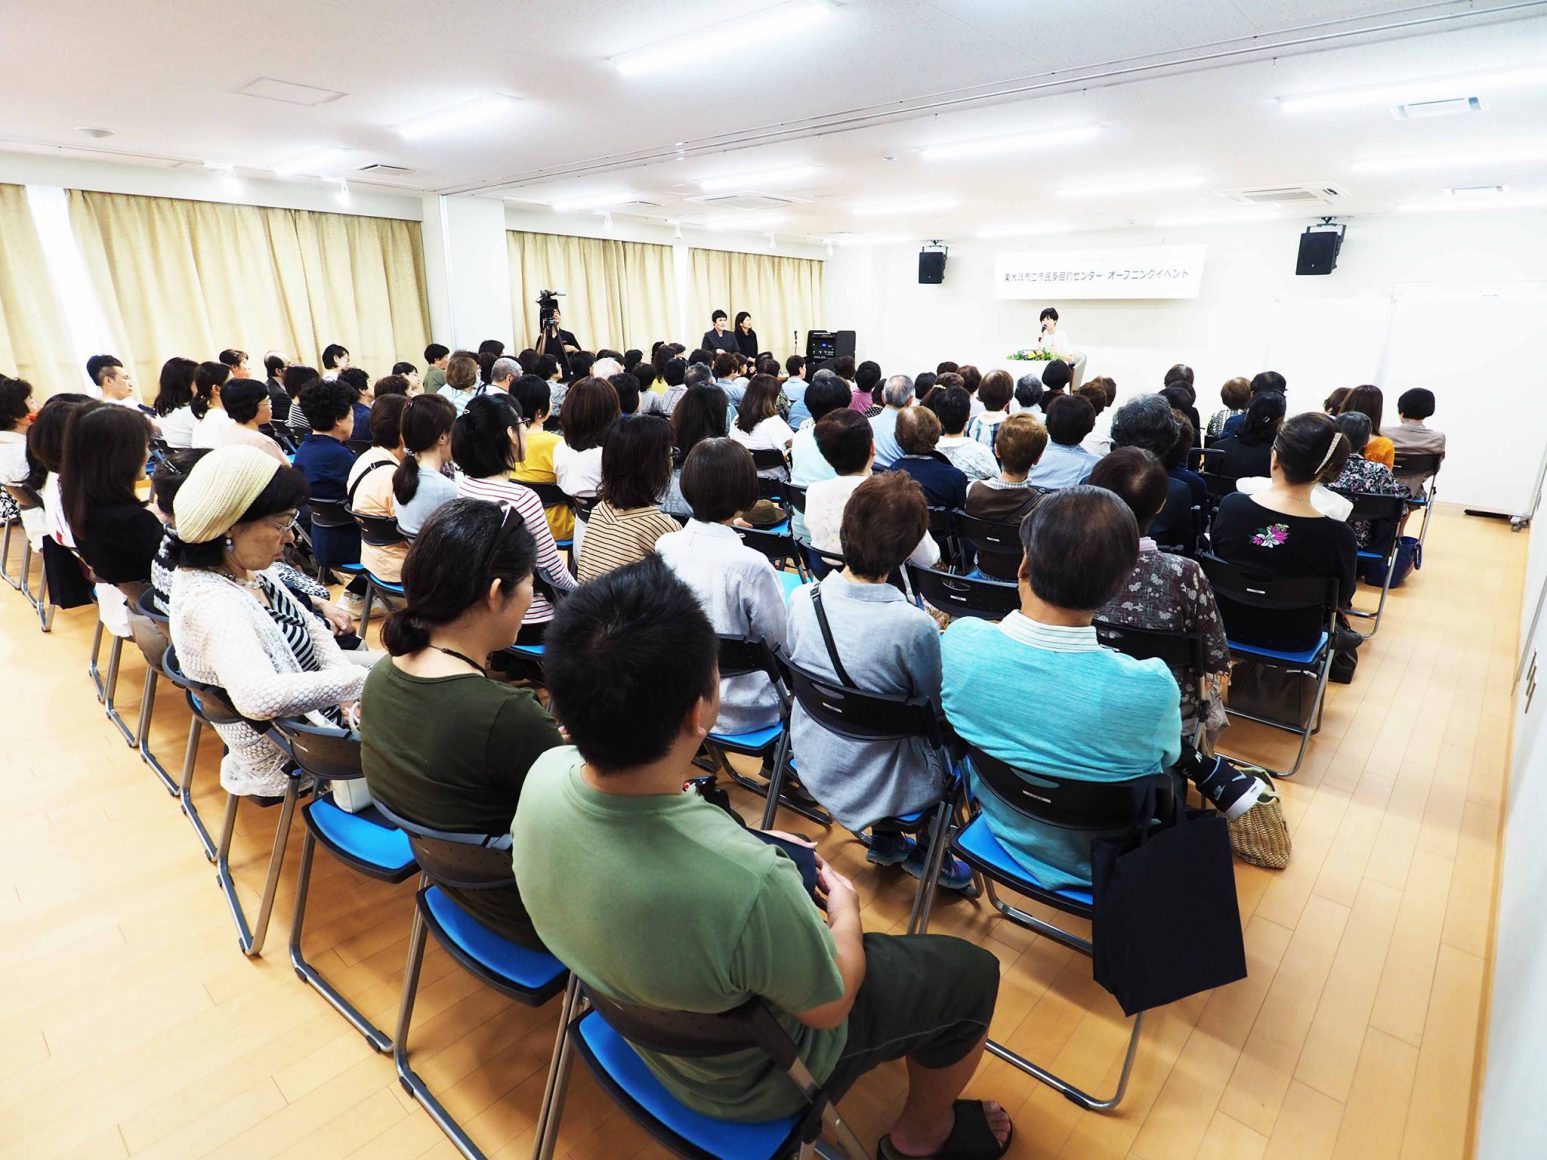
x: 362, y: 422
x: 1062, y: 465
x: 326, y: 462
x: 944, y: 485
x: 883, y: 428
x: 795, y: 391
x: 807, y: 466
x: 1052, y: 699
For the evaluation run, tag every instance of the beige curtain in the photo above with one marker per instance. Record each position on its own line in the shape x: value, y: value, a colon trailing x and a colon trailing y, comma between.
x: 783, y: 295
x: 192, y: 278
x: 34, y: 341
x: 616, y: 294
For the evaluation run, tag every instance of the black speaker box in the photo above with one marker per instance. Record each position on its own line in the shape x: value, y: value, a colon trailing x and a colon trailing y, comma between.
x: 931, y: 267
x: 1319, y: 252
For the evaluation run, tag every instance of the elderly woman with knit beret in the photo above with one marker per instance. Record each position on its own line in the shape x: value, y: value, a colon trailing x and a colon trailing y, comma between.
x: 234, y: 624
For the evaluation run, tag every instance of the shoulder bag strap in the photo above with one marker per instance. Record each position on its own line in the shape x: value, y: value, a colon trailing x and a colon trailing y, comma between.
x: 827, y: 636
x: 349, y: 502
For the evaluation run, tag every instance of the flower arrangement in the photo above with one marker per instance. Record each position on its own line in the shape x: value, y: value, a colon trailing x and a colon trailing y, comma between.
x: 1032, y: 354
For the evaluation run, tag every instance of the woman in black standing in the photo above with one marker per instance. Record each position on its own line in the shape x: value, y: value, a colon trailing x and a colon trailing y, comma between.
x: 746, y: 337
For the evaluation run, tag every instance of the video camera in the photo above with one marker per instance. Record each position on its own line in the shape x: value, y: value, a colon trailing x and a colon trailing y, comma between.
x: 547, y: 306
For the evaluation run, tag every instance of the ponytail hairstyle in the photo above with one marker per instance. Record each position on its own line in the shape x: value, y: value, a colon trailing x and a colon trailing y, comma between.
x: 464, y: 547
x: 425, y: 419
x: 207, y: 379
x: 1263, y: 415
x: 45, y: 438
x: 1310, y: 448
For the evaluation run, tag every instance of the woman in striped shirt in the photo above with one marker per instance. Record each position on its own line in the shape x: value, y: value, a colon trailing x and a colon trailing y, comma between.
x: 636, y: 470
x: 487, y: 440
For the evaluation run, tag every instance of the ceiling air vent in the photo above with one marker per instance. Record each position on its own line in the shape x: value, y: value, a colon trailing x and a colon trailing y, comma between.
x: 380, y: 170
x: 291, y: 94
x: 1449, y: 107
x: 1286, y: 195
x: 747, y: 201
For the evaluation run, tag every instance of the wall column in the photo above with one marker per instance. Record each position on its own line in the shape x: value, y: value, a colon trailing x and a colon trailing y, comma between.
x: 467, y: 271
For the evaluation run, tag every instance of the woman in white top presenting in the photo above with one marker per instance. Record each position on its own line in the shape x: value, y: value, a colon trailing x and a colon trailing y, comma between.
x: 1052, y: 339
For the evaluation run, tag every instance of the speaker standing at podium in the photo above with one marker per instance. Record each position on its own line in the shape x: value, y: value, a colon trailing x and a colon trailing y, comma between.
x: 1057, y: 342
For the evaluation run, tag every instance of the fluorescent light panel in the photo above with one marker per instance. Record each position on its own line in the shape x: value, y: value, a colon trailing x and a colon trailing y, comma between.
x: 459, y: 117
x: 897, y: 208
x: 756, y: 179
x: 1408, y: 92
x: 1014, y: 144
x: 778, y: 22
x: 1024, y: 229
x: 1132, y: 185
x: 317, y: 163
x: 1455, y: 159
x: 1451, y: 204
x: 596, y: 201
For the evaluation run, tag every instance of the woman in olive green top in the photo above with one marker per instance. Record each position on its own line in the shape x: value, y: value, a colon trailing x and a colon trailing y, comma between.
x: 441, y: 744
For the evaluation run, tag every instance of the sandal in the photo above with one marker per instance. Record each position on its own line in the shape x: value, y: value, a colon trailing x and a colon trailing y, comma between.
x: 971, y: 1138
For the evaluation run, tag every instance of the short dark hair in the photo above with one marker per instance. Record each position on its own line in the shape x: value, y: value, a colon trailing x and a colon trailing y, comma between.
x: 296, y: 378
x: 644, y: 375
x: 1177, y: 455
x: 719, y: 480
x: 1268, y: 381
x: 580, y: 364
x: 424, y: 420
x: 1137, y: 478
x: 946, y: 368
x: 1081, y: 545
x: 435, y: 352
x: 465, y: 546
x: 1048, y: 312
x: 286, y: 491
x: 953, y: 406
x: 175, y: 387
x: 331, y: 354
x: 918, y: 430
x: 1416, y: 403
x: 491, y: 346
x: 760, y: 402
x: 1263, y: 415
x: 827, y: 393
x: 794, y: 365
x: 14, y: 394
x: 845, y: 440
x: 627, y: 387
x: 1094, y: 395
x: 883, y: 522
x: 636, y: 463
x: 1069, y: 419
x: 326, y: 403
x: 480, y: 438
x: 1146, y: 422
x: 972, y: 378
x: 1020, y: 442
x: 532, y: 395
x: 699, y: 415
x: 700, y: 357
x: 393, y: 384
x: 718, y: 314
x: 1178, y: 394
x: 1368, y: 400
x: 242, y: 398
x: 923, y: 383
x: 274, y: 364
x: 673, y: 371
x: 387, y: 421
x: 98, y: 363
x: 1057, y: 375
x: 627, y: 657
x: 398, y: 368
x: 1333, y: 403
x: 843, y: 367
x: 632, y: 357
x: 103, y: 458
x: 547, y: 366
x: 996, y: 390
x: 867, y: 376
x: 724, y: 364
x: 1310, y: 448
x: 589, y: 410
x: 232, y: 358
x: 1179, y: 372
x: 1108, y: 387
x: 356, y: 380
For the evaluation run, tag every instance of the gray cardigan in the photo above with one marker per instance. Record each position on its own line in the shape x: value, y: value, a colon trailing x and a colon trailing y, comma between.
x: 887, y: 645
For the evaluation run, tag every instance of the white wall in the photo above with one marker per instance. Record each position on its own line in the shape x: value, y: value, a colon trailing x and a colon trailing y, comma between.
x: 1253, y: 314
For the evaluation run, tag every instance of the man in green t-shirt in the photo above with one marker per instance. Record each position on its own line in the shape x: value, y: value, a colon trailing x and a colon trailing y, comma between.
x: 657, y: 898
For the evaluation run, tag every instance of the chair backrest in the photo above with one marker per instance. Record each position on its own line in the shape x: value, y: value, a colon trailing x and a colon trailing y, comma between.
x: 740, y: 655
x: 820, y: 561
x: 696, y: 1034
x: 1417, y: 463
x: 777, y: 546
x: 212, y: 702
x: 942, y: 522
x: 330, y: 513
x: 1182, y: 650
x: 1219, y: 485
x: 797, y: 496
x: 1198, y: 457
x: 146, y: 606
x: 358, y: 446
x: 462, y: 865
x: 1368, y: 506
x: 860, y: 716
x: 23, y: 496
x: 962, y: 596
x: 583, y: 505
x: 997, y: 539
x: 550, y: 494
x: 1271, y: 593
x: 378, y: 531
x: 327, y: 754
x: 1069, y: 803
x: 149, y: 633
x: 769, y: 459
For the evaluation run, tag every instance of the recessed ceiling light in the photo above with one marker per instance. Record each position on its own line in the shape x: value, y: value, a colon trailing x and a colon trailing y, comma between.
x: 1132, y: 185
x: 96, y: 133
x: 897, y: 208
x: 1415, y: 91
x: 1519, y: 201
x: 1018, y: 143
x: 1455, y: 159
x: 1023, y: 229
x: 1218, y: 218
x: 778, y: 22
x: 1475, y: 190
x: 756, y: 179
x: 758, y: 222
x: 316, y: 163
x: 595, y: 201
x: 459, y: 117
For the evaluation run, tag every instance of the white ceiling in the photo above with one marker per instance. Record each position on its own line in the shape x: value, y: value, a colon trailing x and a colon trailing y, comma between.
x: 1183, y: 89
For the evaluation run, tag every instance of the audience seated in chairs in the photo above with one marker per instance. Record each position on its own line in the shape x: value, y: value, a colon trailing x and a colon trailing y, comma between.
x: 1263, y: 383
x: 736, y: 585
x: 1411, y: 435
x: 1369, y: 401
x: 18, y: 409
x: 1064, y: 462
x: 887, y: 645
x: 1100, y: 715
x: 486, y: 442
x: 896, y: 397
x: 701, y: 415
x: 1245, y: 453
x: 1236, y: 395
x: 535, y: 400
x: 325, y: 462
x: 844, y: 438
x: 1166, y: 592
x: 758, y: 425
x: 826, y: 394
x: 208, y: 381
x: 370, y: 484
x: 953, y: 406
x: 420, y: 483
x: 295, y: 380
x: 233, y: 622
x: 249, y: 408
x: 1148, y: 422
x: 105, y: 449
x: 1010, y: 498
x: 1280, y: 532
x: 1099, y: 441
x: 604, y: 830
x: 1360, y: 475
x: 590, y: 411
x: 1175, y: 463
x: 636, y: 469
x: 996, y: 392
x: 918, y: 433
x: 443, y: 746
x: 173, y: 404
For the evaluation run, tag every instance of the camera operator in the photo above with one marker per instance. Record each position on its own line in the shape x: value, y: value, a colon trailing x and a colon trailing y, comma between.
x: 558, y: 342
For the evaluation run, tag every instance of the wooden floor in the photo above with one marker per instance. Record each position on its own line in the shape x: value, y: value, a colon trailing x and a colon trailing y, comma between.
x: 130, y: 1024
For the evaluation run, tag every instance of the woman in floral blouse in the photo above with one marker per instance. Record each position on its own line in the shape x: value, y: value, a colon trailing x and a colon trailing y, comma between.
x: 1362, y: 475
x: 1165, y: 592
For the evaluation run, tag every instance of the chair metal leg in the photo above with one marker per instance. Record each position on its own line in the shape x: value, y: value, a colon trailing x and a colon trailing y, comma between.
x: 13, y: 579
x: 115, y: 658
x: 819, y: 816
x: 251, y: 940
x: 1066, y: 1089
x: 309, y: 974
x: 142, y: 734
x: 185, y: 788
x: 558, y: 1077
x: 26, y: 572
x: 924, y: 900
x: 365, y: 608
x: 776, y: 782
x: 92, y: 669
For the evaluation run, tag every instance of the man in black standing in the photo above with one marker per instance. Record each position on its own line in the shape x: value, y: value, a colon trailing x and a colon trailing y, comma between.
x: 558, y: 342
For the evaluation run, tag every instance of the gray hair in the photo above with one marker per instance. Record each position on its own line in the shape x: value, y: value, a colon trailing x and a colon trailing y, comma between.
x: 1146, y: 422
x: 1032, y: 380
x: 898, y: 391
x: 504, y: 368
x: 698, y: 375
x: 1355, y: 426
x: 823, y: 375
x: 605, y: 368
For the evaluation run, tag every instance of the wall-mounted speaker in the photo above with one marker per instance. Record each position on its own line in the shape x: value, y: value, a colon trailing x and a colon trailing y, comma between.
x: 1319, y: 251
x: 931, y: 267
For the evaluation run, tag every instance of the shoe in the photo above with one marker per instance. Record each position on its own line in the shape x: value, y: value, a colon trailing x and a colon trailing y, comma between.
x: 889, y: 849
x: 1232, y: 788
x: 954, y: 875
x: 354, y: 605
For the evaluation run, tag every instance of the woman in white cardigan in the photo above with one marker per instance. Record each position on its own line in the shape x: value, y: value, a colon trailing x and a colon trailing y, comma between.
x: 234, y: 624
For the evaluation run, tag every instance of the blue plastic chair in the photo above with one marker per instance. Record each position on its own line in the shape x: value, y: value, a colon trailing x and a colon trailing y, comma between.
x: 1427, y: 464
x: 470, y: 862
x: 1385, y: 513
x: 365, y: 842
x: 521, y: 662
x: 778, y: 543
x: 604, y: 1038
x: 1045, y: 802
x: 377, y: 532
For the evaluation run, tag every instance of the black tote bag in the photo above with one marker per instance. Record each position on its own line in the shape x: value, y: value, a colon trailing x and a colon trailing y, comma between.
x: 1166, y: 924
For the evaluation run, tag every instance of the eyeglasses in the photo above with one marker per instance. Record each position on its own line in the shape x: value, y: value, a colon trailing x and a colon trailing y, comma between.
x: 291, y: 524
